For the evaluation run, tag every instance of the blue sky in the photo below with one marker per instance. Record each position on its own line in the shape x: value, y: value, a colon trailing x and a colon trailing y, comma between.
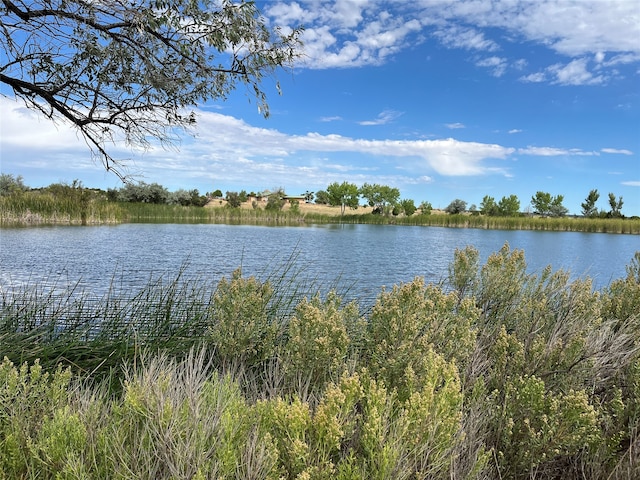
x: 441, y: 99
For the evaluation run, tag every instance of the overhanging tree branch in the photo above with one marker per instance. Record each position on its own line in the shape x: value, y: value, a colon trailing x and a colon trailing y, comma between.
x: 133, y: 69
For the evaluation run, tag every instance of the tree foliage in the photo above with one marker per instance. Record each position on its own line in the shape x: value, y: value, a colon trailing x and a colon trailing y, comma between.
x: 509, y: 206
x: 589, y: 208
x: 408, y: 206
x: 308, y: 196
x: 275, y: 200
x: 233, y: 199
x: 616, y: 206
x: 343, y: 194
x: 456, y: 206
x: 547, y: 206
x: 143, y: 193
x: 488, y: 206
x: 130, y: 70
x: 322, y: 197
x: 11, y: 185
x: 380, y: 197
x: 425, y: 207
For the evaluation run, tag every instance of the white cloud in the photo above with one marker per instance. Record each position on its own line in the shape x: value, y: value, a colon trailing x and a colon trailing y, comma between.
x: 631, y: 183
x: 230, y: 149
x: 616, y: 150
x: 570, y: 27
x: 454, y: 126
x: 624, y: 58
x: 444, y: 156
x: 554, y: 152
x: 383, y: 118
x: 455, y: 36
x: 574, y: 73
x: 359, y: 32
x: 497, y: 65
x: 18, y: 124
x: 334, y: 118
x: 534, y: 78
x: 515, y: 130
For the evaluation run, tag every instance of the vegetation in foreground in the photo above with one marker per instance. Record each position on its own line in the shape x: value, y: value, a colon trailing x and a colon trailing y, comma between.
x: 495, y: 374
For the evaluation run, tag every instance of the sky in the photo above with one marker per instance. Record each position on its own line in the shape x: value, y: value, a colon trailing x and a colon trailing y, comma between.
x: 441, y: 99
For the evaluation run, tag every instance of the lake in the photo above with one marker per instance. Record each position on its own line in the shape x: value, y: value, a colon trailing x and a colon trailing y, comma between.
x: 361, y: 257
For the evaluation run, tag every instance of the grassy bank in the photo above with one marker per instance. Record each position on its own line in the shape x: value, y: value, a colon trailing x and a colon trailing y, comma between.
x: 40, y: 208
x: 495, y: 374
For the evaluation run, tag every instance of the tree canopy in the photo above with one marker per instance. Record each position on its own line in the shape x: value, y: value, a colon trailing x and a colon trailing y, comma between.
x: 546, y: 205
x: 344, y: 194
x: 380, y: 196
x: 616, y: 206
x: 456, y: 206
x: 130, y: 70
x: 589, y: 208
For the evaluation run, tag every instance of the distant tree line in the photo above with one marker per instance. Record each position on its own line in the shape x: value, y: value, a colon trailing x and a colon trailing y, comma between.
x: 543, y: 204
x: 130, y: 192
x: 157, y: 194
x: 384, y: 200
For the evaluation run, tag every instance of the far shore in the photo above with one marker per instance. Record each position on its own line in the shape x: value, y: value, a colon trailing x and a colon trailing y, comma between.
x: 310, y: 208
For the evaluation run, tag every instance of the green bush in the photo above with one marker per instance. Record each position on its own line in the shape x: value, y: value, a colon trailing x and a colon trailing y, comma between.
x: 408, y: 322
x: 30, y: 403
x: 321, y: 336
x: 241, y: 329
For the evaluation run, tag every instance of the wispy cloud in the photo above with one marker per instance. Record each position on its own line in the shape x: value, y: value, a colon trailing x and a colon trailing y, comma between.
x: 617, y: 151
x: 537, y: 77
x: 330, y: 119
x: 515, y: 130
x: 455, y: 36
x: 575, y: 72
x: 454, y: 126
x: 383, y: 118
x: 631, y: 183
x: 554, y: 152
x: 497, y: 65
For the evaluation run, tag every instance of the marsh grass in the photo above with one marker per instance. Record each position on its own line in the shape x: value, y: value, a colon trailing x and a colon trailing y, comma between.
x: 563, y: 224
x: 502, y: 374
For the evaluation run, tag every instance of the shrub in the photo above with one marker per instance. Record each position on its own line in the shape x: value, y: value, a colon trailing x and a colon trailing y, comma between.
x: 319, y: 338
x: 30, y: 402
x: 408, y: 322
x: 241, y: 329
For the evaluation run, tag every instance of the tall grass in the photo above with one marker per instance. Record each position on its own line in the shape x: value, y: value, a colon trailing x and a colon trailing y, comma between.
x: 561, y: 224
x: 33, y: 208
x: 498, y: 374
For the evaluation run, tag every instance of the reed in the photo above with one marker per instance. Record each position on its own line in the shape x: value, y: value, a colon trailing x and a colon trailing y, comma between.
x: 34, y: 208
x: 563, y: 224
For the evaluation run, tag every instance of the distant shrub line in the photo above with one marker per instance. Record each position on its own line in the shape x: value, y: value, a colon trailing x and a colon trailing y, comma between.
x: 494, y: 374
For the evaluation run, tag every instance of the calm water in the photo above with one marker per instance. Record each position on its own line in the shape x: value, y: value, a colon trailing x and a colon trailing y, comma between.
x: 364, y: 257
